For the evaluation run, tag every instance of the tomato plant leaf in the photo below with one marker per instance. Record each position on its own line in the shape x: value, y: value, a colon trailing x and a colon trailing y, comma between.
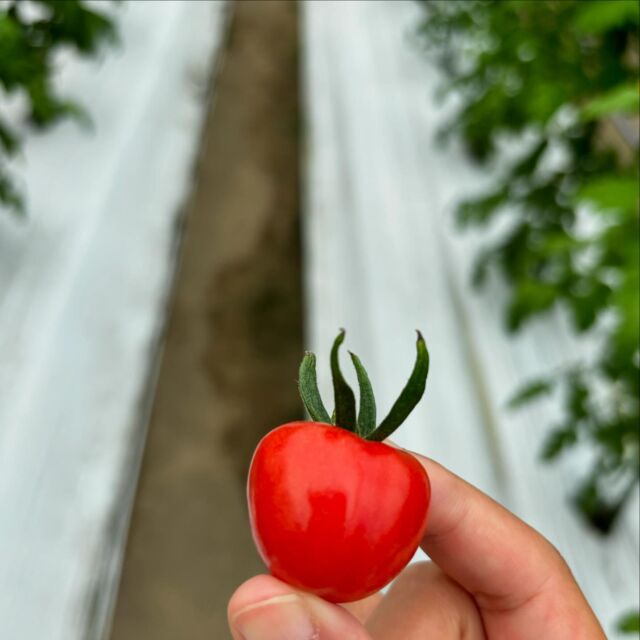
x: 559, y: 440
x: 630, y: 623
x: 367, y: 412
x: 601, y: 15
x: 410, y: 396
x: 345, y: 400
x: 624, y: 98
x: 558, y: 76
x: 611, y: 192
x: 29, y: 49
x: 308, y: 386
x: 529, y: 392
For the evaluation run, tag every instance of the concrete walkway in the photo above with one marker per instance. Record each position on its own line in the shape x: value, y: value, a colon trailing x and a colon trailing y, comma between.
x: 232, y: 347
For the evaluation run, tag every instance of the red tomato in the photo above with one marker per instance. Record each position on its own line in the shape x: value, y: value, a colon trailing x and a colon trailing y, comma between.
x: 332, y: 513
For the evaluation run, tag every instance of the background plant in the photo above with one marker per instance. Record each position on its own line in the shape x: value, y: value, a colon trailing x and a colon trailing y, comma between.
x: 31, y: 33
x: 561, y: 77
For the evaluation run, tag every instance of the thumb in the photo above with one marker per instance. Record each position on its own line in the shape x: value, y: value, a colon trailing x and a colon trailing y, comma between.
x: 265, y: 608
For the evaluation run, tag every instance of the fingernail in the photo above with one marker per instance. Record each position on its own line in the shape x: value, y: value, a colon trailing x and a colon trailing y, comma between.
x: 280, y: 618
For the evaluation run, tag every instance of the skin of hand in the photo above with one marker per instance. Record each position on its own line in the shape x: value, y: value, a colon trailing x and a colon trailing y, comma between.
x: 491, y: 577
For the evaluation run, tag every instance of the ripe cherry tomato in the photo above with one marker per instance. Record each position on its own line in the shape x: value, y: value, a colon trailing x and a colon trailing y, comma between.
x: 333, y: 509
x: 332, y: 513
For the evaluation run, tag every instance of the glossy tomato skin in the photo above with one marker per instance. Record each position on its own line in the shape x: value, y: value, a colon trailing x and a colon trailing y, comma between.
x: 334, y: 514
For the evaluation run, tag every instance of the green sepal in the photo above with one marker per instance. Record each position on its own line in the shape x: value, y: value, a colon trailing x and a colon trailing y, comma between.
x: 410, y: 396
x: 367, y: 410
x: 308, y: 386
x: 345, y: 400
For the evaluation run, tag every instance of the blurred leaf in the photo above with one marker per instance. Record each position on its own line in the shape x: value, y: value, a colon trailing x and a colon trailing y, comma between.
x: 79, y: 24
x: 530, y: 297
x: 626, y: 301
x: 611, y: 192
x: 557, y: 441
x: 529, y: 163
x: 8, y: 139
x: 9, y: 194
x: 630, y: 623
x: 481, y: 267
x: 621, y: 99
x: 597, y: 16
x: 531, y: 391
x: 596, y: 509
x: 481, y: 209
x: 578, y: 397
x: 618, y: 437
x: 586, y: 306
x: 27, y: 51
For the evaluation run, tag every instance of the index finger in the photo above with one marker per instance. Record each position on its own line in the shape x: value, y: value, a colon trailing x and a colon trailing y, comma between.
x: 516, y: 576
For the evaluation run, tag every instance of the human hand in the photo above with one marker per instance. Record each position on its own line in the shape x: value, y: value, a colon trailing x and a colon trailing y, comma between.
x: 492, y: 577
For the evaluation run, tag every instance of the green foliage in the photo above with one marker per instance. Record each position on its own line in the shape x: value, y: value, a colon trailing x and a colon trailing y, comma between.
x: 30, y: 35
x: 630, y: 623
x: 624, y: 98
x: 605, y: 15
x: 553, y: 73
x: 530, y: 391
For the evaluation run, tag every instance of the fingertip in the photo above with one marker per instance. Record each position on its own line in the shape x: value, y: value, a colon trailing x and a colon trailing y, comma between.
x: 257, y: 589
x: 265, y: 608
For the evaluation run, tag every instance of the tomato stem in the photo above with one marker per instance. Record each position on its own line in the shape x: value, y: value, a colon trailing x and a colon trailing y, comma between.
x: 308, y: 387
x: 345, y: 400
x: 344, y: 414
x: 409, y: 397
x: 367, y: 411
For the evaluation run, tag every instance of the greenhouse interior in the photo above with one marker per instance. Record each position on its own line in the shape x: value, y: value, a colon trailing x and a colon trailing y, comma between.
x: 197, y: 197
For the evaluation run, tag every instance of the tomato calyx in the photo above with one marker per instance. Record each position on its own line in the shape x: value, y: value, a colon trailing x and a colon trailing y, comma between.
x: 344, y: 415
